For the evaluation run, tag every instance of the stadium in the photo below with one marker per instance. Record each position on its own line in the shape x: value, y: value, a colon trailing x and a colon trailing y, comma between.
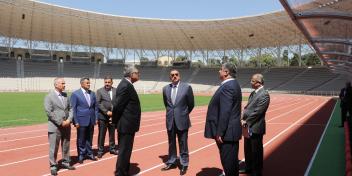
x: 304, y: 53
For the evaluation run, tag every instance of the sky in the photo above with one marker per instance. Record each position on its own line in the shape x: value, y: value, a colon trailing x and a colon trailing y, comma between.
x: 175, y: 9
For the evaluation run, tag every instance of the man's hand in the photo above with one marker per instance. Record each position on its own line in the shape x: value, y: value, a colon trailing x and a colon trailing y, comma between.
x: 109, y: 113
x: 244, y: 123
x: 218, y: 140
x: 77, y: 125
x: 66, y: 123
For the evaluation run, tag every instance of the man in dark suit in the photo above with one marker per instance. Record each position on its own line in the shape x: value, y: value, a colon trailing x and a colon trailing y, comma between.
x: 346, y: 102
x: 126, y: 116
x: 179, y: 102
x: 104, y: 99
x: 59, y: 112
x: 253, y: 121
x: 85, y: 112
x: 223, y: 119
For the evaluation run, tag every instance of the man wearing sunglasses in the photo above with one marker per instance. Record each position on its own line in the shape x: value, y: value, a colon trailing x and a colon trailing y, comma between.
x: 179, y: 102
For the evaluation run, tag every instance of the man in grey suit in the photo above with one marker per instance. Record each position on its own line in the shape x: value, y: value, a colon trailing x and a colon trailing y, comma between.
x: 223, y: 119
x: 254, y: 121
x: 104, y: 99
x: 179, y: 102
x: 59, y: 112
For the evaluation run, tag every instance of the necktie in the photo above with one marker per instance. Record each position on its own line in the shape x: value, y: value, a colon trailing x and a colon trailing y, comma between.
x: 251, y: 96
x: 110, y: 93
x: 61, y: 99
x: 173, y: 94
x: 86, y: 94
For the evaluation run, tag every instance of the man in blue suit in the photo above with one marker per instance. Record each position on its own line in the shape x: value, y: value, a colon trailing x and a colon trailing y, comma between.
x: 223, y: 118
x: 179, y: 102
x: 85, y: 111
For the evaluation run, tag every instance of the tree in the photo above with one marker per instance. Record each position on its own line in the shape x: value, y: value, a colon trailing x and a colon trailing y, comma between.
x: 294, y: 60
x: 285, y: 59
x: 224, y: 59
x: 253, y: 62
x: 311, y: 59
x: 234, y: 60
x: 181, y: 58
x: 267, y: 60
x: 214, y: 62
x: 144, y: 59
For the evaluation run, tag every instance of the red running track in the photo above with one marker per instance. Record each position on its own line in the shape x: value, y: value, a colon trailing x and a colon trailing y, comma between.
x: 294, y: 126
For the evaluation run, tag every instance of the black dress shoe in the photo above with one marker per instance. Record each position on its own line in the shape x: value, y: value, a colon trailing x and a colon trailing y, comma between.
x: 53, y: 172
x: 92, y: 158
x: 100, y: 155
x: 68, y: 167
x: 183, y: 170
x: 168, y: 167
x: 80, y: 161
x: 114, y: 152
x: 244, y: 171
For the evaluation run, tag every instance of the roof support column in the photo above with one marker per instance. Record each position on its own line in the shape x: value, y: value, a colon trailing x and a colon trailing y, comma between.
x: 278, y: 55
x: 300, y: 55
x: 168, y: 58
x: 259, y: 57
x: 9, y: 47
x: 241, y: 58
x: 174, y: 55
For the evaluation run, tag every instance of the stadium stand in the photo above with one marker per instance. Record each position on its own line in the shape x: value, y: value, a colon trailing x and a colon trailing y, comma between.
x: 40, y: 69
x: 308, y: 79
x: 154, y: 78
x: 275, y: 77
x: 8, y: 68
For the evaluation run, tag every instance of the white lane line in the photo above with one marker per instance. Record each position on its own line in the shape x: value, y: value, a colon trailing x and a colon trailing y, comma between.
x: 320, y: 141
x: 267, y: 143
x: 294, y: 124
x: 30, y: 131
x: 136, y: 150
x: 13, y: 140
x: 149, y: 114
x: 47, y: 143
x: 73, y: 150
x: 45, y: 129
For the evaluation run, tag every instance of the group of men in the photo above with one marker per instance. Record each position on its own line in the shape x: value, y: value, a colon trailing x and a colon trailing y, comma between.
x: 110, y: 108
x: 119, y: 109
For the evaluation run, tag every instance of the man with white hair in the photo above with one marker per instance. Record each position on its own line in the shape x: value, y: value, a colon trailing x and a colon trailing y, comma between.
x: 59, y: 112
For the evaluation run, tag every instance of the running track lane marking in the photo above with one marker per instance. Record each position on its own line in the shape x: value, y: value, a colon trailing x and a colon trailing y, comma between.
x: 195, y: 117
x: 266, y: 144
x: 136, y: 136
x: 136, y: 150
x: 320, y: 141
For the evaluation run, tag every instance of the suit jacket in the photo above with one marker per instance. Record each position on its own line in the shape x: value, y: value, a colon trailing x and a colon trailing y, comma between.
x: 178, y: 112
x: 83, y: 114
x: 224, y: 113
x: 57, y: 111
x: 127, y: 109
x: 254, y: 112
x: 346, y: 97
x: 104, y: 103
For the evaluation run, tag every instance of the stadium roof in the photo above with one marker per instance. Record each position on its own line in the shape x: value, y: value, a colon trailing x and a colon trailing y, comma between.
x: 327, y: 24
x: 32, y: 20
